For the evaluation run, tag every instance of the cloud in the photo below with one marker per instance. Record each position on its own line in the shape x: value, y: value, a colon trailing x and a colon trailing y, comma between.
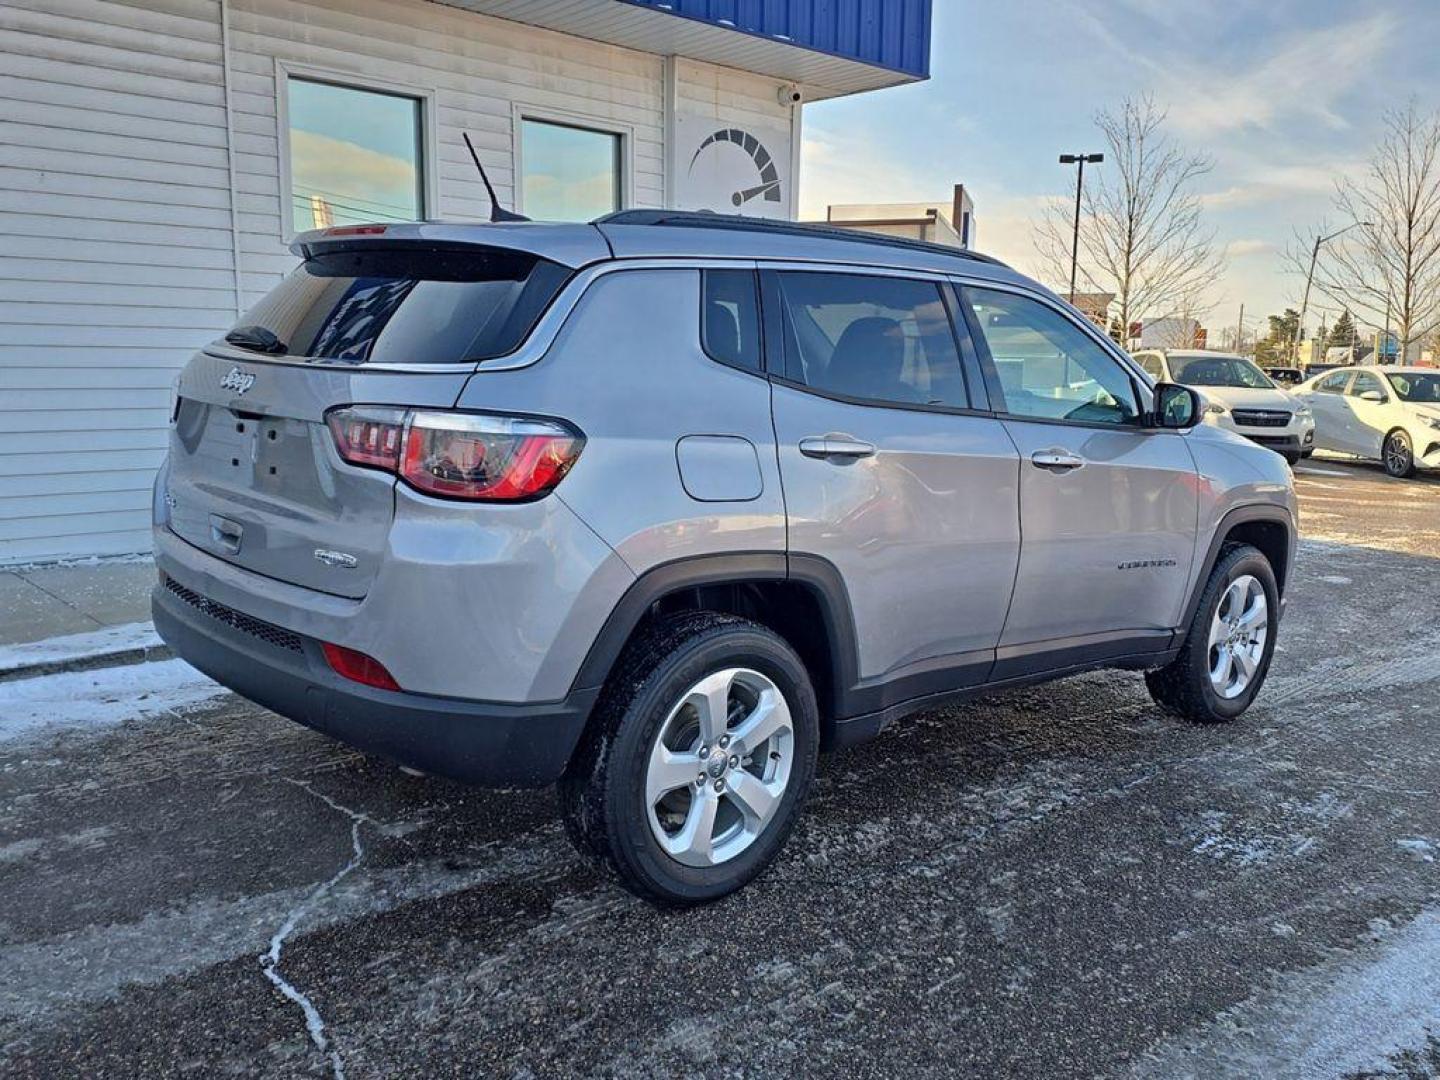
x: 1239, y: 249
x: 1306, y: 76
x: 360, y: 181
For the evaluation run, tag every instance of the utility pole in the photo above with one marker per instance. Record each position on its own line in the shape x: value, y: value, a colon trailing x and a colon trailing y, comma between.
x: 1081, y: 160
x: 1310, y: 279
x: 1240, y: 332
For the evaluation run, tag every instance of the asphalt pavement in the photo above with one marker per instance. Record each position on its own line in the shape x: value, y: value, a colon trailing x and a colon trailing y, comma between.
x: 1059, y: 881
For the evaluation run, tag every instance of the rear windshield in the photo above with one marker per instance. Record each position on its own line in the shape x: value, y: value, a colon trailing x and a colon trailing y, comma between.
x: 403, y: 306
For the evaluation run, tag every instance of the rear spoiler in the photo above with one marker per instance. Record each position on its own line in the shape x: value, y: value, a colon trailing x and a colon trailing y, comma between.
x: 569, y: 245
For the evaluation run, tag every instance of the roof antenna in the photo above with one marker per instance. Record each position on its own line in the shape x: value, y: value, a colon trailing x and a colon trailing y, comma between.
x: 497, y: 212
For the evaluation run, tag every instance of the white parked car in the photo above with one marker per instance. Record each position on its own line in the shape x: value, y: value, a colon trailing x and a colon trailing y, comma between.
x: 1238, y: 396
x: 1390, y: 415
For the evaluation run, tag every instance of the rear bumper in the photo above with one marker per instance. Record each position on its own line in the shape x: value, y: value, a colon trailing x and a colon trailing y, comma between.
x: 484, y: 743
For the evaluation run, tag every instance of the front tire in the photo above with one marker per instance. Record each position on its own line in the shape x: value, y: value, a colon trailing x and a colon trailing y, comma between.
x: 1226, y: 654
x: 697, y: 761
x: 1398, y: 455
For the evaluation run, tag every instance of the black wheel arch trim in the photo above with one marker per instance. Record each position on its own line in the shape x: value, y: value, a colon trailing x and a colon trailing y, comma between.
x: 1240, y: 515
x: 820, y: 576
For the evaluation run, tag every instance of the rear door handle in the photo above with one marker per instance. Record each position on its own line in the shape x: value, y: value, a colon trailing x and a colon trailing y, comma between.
x: 835, y: 446
x: 1059, y: 460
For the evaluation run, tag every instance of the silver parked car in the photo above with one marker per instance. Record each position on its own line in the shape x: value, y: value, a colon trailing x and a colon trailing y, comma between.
x: 659, y: 506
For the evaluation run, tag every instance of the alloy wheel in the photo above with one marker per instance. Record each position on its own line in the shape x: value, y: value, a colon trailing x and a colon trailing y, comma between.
x: 1237, y: 636
x: 719, y: 767
x: 1397, y: 454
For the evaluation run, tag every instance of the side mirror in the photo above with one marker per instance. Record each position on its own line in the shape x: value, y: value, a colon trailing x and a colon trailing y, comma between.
x: 1176, y: 406
x: 1373, y: 395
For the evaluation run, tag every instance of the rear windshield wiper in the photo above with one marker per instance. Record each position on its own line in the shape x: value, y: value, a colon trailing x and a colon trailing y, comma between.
x: 256, y: 339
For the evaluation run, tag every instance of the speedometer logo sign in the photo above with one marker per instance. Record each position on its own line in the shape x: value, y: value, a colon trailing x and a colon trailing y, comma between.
x: 766, y: 178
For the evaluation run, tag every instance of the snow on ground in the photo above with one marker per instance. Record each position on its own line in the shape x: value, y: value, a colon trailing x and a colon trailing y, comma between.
x: 99, y: 698
x: 1333, y: 1020
x: 137, y: 635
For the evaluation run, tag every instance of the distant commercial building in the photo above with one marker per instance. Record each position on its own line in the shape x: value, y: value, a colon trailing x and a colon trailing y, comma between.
x: 952, y: 224
x: 1174, y: 332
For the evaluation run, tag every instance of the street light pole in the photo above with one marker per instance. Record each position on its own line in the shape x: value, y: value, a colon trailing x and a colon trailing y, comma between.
x: 1081, y: 160
x: 1320, y: 241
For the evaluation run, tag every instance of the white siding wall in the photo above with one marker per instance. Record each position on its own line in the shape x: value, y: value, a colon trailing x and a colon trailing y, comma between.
x: 115, y: 218
x: 114, y: 256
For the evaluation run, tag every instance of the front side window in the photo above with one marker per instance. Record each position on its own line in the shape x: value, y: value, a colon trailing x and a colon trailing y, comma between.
x: 1049, y: 368
x: 875, y: 338
x: 568, y: 173
x: 730, y: 317
x: 1219, y: 371
x: 1365, y: 381
x: 355, y: 155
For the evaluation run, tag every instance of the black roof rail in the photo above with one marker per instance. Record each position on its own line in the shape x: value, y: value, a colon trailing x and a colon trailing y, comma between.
x: 708, y: 219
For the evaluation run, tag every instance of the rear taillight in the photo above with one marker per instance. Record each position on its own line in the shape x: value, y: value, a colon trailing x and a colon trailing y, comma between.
x: 459, y: 455
x: 368, y: 436
x: 358, y: 667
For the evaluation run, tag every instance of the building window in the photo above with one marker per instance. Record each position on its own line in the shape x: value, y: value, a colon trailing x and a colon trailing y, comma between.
x: 569, y: 173
x: 355, y: 155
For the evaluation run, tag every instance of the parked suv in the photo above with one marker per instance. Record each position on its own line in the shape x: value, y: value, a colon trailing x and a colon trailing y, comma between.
x: 1238, y: 396
x: 660, y: 506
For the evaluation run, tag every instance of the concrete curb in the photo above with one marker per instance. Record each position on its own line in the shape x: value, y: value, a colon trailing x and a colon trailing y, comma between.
x: 87, y: 662
x: 111, y: 646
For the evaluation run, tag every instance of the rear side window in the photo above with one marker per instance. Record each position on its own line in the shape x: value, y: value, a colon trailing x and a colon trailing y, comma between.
x: 875, y: 338
x: 1333, y: 384
x: 1151, y: 363
x: 403, y: 306
x: 730, y: 317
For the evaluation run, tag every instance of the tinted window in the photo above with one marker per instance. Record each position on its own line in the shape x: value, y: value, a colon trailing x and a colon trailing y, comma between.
x: 730, y: 317
x: 1413, y: 386
x: 1049, y: 368
x: 878, y: 338
x: 1333, y: 383
x: 405, y: 306
x: 354, y: 155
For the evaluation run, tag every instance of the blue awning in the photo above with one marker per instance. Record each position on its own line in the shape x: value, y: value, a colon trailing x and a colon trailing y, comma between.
x: 831, y: 47
x: 890, y: 34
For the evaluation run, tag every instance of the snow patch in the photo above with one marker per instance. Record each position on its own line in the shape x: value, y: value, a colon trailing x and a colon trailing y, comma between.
x: 1346, y: 1016
x: 99, y: 699
x: 1335, y: 579
x: 71, y: 647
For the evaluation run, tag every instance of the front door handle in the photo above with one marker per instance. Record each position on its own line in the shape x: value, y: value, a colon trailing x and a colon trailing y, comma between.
x: 835, y: 446
x: 1059, y: 460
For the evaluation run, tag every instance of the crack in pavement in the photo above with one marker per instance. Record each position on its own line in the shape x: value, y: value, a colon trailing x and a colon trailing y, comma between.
x: 270, y: 960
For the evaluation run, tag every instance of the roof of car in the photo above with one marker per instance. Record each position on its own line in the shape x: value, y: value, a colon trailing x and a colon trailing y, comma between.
x: 1385, y: 369
x: 637, y: 234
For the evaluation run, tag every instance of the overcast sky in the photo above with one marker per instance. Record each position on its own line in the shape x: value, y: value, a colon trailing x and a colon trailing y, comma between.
x: 1283, y: 94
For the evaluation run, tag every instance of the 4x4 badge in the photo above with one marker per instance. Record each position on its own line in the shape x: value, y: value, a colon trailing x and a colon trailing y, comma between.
x: 237, y: 380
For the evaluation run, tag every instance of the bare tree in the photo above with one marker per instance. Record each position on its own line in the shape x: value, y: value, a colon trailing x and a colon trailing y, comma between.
x: 1141, y: 232
x: 1388, y: 267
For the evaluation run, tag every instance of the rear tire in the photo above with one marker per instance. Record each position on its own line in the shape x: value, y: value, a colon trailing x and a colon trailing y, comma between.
x: 1398, y: 455
x: 1221, y: 665
x: 640, y: 800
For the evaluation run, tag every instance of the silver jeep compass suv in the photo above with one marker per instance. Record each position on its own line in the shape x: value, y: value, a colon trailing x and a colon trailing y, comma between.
x: 659, y: 506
